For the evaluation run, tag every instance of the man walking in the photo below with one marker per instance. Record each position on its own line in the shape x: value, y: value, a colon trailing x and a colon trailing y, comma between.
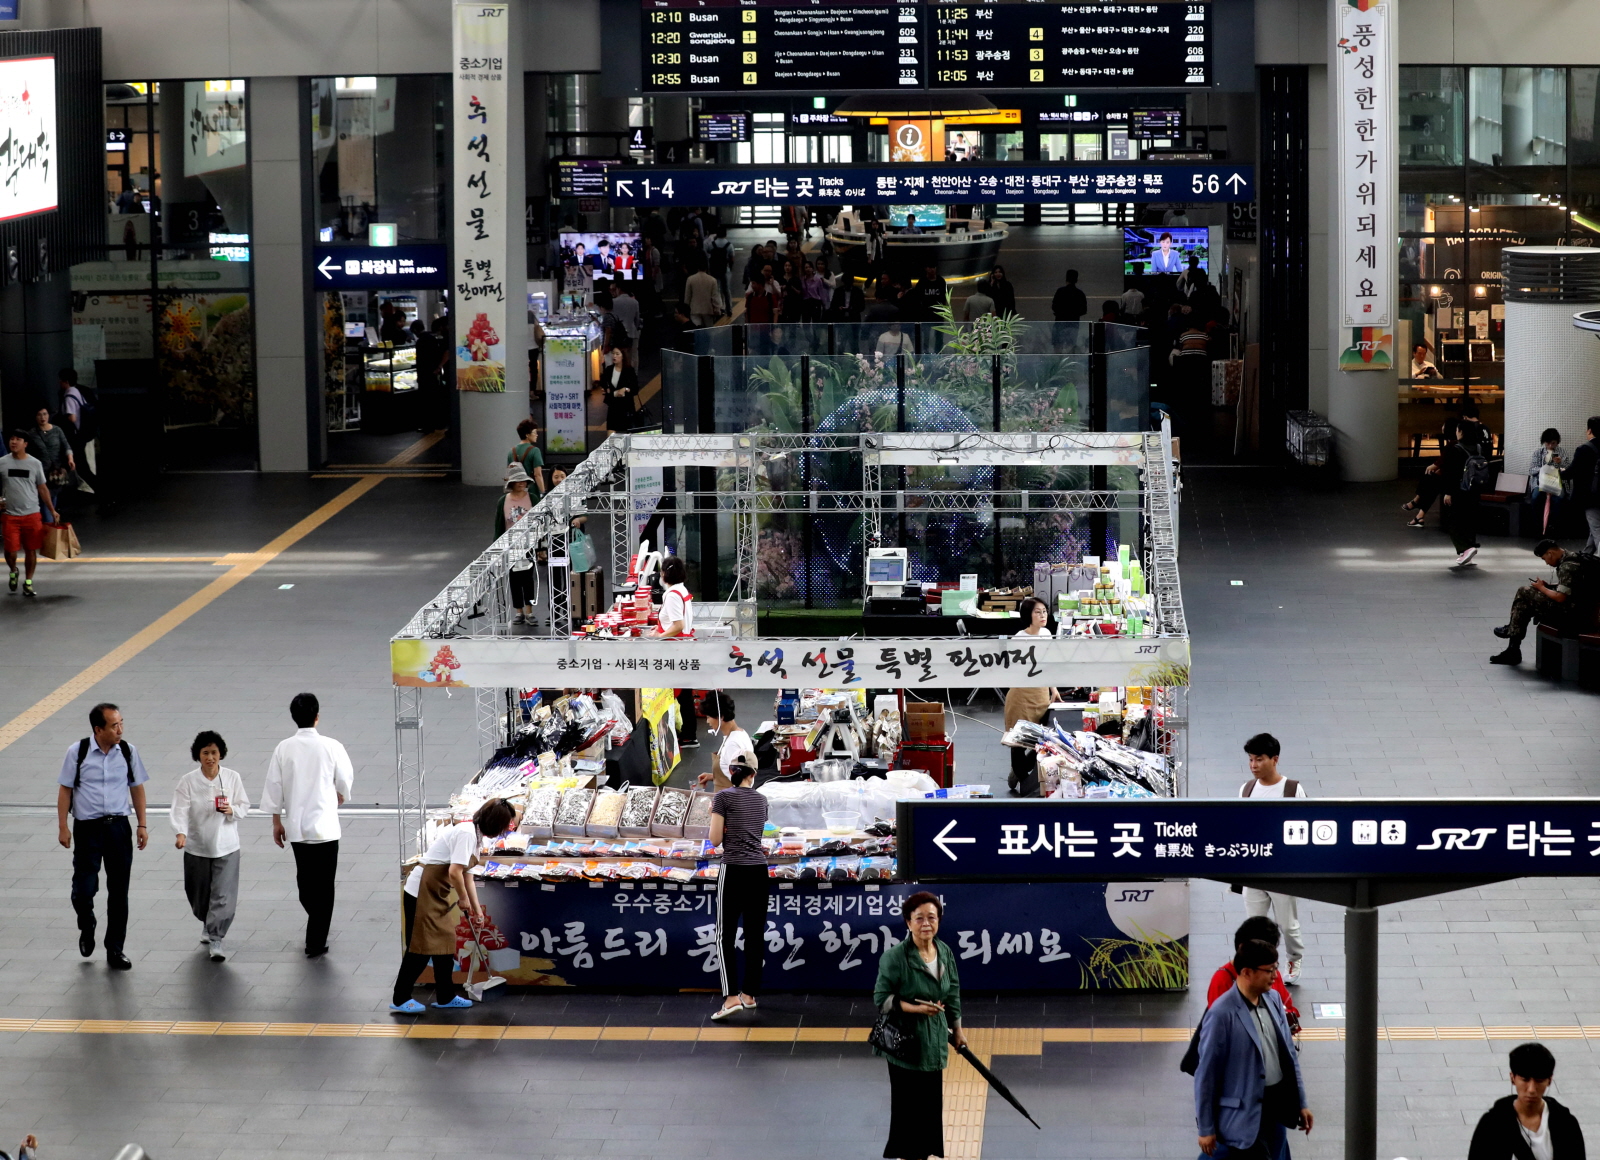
x: 1266, y: 782
x: 101, y: 776
x: 1584, y: 476
x: 308, y: 779
x: 1538, y: 601
x: 1247, y: 1084
x: 1069, y: 304
x: 26, y: 493
x: 1464, y: 471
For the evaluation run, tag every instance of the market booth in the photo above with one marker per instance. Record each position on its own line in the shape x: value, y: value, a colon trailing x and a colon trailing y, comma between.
x: 611, y: 867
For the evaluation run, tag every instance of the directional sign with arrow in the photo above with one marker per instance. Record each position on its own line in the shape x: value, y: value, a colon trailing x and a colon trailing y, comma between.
x: 944, y: 841
x: 380, y: 267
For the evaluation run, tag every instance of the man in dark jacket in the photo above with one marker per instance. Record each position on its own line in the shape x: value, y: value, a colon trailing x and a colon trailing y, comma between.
x: 1527, y: 1125
x: 1584, y: 476
x: 1069, y: 304
x: 1464, y: 439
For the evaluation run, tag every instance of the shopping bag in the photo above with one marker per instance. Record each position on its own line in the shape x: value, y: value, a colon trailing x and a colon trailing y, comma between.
x: 60, y: 542
x: 1550, y: 479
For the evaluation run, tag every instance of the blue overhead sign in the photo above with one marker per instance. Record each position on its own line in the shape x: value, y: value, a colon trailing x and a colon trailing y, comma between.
x: 942, y: 184
x: 1239, y: 840
x: 380, y: 267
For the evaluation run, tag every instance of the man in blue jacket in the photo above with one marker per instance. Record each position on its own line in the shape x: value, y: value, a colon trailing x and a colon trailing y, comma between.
x: 1247, y: 1087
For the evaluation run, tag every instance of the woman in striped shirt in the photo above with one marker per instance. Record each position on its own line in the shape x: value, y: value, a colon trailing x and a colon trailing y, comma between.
x: 738, y: 815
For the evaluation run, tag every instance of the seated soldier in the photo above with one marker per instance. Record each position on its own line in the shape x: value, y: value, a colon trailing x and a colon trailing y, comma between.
x: 1538, y: 601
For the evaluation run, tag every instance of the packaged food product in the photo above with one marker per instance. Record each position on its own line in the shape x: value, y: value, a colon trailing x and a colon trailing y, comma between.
x: 573, y: 812
x: 636, y: 812
x: 606, y: 813
x: 697, y: 824
x: 539, y: 816
x: 671, y: 809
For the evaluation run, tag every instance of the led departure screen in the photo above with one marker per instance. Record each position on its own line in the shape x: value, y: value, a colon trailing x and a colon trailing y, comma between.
x: 722, y: 127
x: 781, y: 45
x: 583, y: 177
x: 1157, y: 124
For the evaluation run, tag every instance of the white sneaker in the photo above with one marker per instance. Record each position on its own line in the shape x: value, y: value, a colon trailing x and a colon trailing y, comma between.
x: 1291, y: 977
x: 1466, y: 557
x: 219, y: 953
x: 205, y: 940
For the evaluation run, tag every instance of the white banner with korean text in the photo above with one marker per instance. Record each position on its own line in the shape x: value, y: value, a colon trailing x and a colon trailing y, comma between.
x: 1364, y: 76
x: 936, y: 663
x: 480, y: 108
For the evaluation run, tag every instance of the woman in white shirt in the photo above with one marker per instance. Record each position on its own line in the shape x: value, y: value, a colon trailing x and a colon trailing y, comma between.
x: 1028, y: 704
x: 433, y: 891
x: 207, y: 804
x: 677, y: 620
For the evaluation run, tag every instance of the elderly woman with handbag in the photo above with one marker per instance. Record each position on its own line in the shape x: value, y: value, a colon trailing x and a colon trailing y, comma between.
x: 919, y: 993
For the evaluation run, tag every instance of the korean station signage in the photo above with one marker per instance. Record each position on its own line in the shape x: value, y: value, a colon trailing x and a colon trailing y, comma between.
x: 1471, y: 839
x: 28, y: 168
x: 1363, y: 64
x: 943, y: 183
x: 483, y: 214
x: 380, y: 267
x: 707, y: 663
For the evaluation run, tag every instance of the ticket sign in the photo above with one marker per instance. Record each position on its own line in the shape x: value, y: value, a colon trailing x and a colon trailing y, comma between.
x: 938, y: 183
x: 1472, y: 839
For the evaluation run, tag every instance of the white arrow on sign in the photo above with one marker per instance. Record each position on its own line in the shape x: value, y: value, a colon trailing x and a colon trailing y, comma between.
x: 1236, y: 182
x: 944, y: 841
x: 325, y: 269
x: 624, y: 187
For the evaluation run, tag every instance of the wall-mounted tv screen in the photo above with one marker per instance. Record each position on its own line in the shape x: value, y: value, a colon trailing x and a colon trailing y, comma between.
x: 1165, y: 249
x: 606, y: 255
x: 928, y: 216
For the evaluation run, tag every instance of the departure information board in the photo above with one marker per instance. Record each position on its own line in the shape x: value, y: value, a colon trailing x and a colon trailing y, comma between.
x: 781, y: 45
x: 844, y: 46
x: 1018, y: 45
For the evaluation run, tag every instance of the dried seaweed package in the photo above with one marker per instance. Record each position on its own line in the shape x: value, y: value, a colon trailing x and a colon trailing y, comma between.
x: 606, y: 814
x: 698, y: 822
x: 671, y: 810
x: 539, y: 815
x: 636, y: 813
x: 573, y: 813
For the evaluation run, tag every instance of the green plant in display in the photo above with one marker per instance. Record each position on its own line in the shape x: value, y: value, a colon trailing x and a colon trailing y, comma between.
x: 780, y: 396
x: 1167, y: 674
x: 1155, y: 963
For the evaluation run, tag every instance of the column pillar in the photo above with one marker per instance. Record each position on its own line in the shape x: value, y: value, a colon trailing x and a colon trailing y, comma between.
x: 1363, y: 386
x: 289, y: 431
x: 488, y: 180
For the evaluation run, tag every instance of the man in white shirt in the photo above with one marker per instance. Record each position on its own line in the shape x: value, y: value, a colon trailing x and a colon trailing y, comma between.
x: 1266, y: 782
x: 308, y: 779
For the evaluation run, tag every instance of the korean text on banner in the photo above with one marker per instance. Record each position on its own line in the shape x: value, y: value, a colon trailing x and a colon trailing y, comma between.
x: 566, y: 386
x: 1367, y: 166
x: 482, y: 125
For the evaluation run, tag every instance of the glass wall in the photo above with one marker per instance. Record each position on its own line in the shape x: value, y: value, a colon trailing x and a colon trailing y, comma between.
x: 1489, y: 157
x: 162, y: 325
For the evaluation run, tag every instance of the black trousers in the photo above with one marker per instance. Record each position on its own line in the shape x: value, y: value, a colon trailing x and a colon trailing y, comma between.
x: 691, y: 723
x: 1461, y: 518
x: 916, y: 1114
x: 412, y: 966
x: 742, y: 897
x: 107, y: 840
x: 316, y: 865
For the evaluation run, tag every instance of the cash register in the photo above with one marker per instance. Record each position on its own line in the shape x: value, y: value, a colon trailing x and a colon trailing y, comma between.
x: 889, y: 593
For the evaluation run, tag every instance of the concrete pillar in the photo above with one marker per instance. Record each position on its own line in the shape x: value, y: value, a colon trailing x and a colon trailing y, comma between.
x: 288, y: 414
x: 489, y: 418
x: 1552, y: 368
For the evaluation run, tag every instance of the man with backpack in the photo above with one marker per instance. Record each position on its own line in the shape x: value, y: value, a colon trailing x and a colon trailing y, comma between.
x: 1584, y: 477
x: 79, y: 420
x: 101, y: 776
x: 1263, y: 751
x: 1572, y: 596
x: 1464, y: 469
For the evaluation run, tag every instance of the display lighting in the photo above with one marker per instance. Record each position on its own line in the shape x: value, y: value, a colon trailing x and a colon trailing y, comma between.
x: 356, y: 84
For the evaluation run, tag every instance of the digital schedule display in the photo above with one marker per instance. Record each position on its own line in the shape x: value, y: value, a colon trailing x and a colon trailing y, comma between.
x: 781, y: 45
x: 725, y: 128
x: 1015, y: 44
x: 583, y: 176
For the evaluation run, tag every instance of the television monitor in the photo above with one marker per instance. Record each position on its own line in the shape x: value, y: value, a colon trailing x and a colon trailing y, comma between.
x: 726, y: 128
x: 583, y: 176
x: 886, y: 568
x: 606, y: 254
x: 1164, y: 249
x: 928, y: 216
x: 1453, y: 351
x: 1157, y: 124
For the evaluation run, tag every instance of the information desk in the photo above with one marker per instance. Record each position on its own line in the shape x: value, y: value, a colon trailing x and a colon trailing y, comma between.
x: 662, y: 936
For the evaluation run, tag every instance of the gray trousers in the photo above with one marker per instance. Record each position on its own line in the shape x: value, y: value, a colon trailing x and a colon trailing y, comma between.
x: 1287, y: 914
x: 212, y: 885
x: 1593, y: 516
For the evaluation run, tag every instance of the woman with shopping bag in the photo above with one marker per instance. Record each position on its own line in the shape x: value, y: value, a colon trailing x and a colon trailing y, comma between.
x: 432, y: 893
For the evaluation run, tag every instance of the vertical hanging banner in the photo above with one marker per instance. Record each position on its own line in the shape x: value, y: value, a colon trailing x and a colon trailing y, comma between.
x: 1365, y: 79
x: 566, y: 388
x: 482, y: 214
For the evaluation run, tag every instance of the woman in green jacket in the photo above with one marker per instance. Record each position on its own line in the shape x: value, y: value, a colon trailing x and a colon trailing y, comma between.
x: 921, y: 975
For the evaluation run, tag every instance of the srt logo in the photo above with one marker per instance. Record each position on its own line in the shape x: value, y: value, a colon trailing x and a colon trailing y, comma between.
x: 732, y: 187
x: 1136, y: 895
x: 1455, y: 839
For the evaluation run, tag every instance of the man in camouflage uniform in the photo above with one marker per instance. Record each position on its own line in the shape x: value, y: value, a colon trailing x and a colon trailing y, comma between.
x: 1539, y: 601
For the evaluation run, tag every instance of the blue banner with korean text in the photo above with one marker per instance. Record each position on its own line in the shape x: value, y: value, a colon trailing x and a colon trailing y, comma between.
x: 1241, y: 839
x: 961, y: 182
x: 830, y: 936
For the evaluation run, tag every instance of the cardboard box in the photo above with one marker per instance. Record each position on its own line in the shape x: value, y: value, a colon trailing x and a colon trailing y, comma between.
x: 924, y: 721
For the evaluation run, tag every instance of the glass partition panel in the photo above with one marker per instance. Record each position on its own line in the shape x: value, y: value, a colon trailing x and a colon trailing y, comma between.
x: 1046, y: 393
x: 1128, y: 389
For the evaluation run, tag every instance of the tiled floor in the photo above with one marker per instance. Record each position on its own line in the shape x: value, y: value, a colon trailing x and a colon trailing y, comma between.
x: 1349, y: 639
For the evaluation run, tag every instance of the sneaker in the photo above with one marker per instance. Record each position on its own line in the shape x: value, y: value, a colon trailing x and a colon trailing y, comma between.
x: 14, y: 580
x: 1512, y: 656
x: 219, y: 953
x: 519, y: 619
x: 722, y: 1013
x: 690, y: 744
x: 1466, y: 557
x: 409, y: 1007
x: 459, y: 1003
x: 205, y: 940
x: 27, y: 590
x: 1292, y: 976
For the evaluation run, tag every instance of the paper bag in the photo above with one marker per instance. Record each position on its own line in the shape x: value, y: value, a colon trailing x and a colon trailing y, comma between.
x: 60, y: 542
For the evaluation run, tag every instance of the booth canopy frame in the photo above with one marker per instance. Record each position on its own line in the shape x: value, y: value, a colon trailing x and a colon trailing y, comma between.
x: 473, y: 613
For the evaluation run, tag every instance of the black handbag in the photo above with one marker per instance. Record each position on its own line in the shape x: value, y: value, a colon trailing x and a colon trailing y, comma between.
x: 891, y: 1039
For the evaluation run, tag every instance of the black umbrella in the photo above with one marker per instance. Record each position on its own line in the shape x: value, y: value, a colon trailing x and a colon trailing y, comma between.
x: 993, y: 1081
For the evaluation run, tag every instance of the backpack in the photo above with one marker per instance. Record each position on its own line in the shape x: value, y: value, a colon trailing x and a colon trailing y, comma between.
x: 83, y: 752
x: 720, y: 257
x: 88, y: 410
x: 1291, y: 788
x: 1475, y: 470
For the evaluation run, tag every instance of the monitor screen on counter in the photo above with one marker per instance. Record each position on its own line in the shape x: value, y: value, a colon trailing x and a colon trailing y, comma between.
x: 928, y: 216
x: 27, y: 136
x: 1165, y: 249
x: 607, y: 254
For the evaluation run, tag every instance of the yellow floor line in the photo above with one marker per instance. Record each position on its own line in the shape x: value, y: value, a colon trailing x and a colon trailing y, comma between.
x: 986, y: 1042
x: 137, y: 560
x: 63, y: 695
